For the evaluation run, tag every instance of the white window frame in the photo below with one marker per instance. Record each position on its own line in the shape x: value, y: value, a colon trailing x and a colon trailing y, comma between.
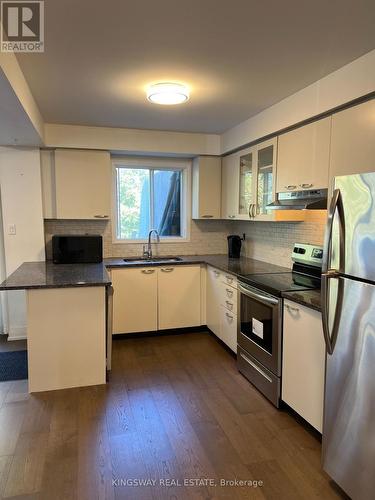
x: 182, y: 164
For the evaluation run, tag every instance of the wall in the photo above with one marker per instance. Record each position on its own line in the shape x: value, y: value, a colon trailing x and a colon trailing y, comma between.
x: 21, y: 201
x: 344, y: 85
x: 207, y: 237
x: 273, y: 241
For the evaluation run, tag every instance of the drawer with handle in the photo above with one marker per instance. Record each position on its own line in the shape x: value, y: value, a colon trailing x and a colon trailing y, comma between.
x: 215, y: 273
x: 258, y: 375
x: 228, y: 328
x: 231, y: 305
x: 228, y: 297
x: 229, y: 279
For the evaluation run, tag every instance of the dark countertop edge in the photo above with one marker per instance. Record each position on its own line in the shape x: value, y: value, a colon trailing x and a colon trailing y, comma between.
x: 188, y: 260
x: 105, y: 282
x: 62, y: 285
x: 127, y: 265
x: 300, y: 300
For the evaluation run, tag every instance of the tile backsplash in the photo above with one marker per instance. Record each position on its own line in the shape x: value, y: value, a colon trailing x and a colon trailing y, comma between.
x: 273, y: 241
x: 267, y: 241
x: 206, y: 237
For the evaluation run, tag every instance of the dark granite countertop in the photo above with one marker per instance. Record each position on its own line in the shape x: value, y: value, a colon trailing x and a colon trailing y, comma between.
x: 48, y: 275
x: 239, y: 267
x: 308, y: 298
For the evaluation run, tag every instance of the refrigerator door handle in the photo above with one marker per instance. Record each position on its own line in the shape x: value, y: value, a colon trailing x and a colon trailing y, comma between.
x: 327, y: 274
x: 330, y: 337
x: 336, y: 204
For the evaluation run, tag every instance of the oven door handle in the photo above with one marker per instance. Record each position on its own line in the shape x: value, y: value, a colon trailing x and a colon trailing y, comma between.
x: 258, y: 296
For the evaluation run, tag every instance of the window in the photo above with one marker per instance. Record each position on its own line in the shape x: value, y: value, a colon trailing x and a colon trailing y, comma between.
x: 151, y: 194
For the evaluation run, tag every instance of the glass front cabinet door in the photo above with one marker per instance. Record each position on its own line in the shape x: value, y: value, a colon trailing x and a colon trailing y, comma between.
x: 257, y: 167
x: 266, y: 178
x: 247, y: 177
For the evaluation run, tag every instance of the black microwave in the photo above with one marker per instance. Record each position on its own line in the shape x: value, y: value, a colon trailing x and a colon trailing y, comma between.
x: 77, y: 249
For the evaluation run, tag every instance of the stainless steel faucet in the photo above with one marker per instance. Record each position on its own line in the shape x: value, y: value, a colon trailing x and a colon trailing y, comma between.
x: 148, y: 253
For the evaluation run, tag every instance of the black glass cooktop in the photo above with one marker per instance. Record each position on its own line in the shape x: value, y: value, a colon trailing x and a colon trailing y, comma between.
x: 282, y: 282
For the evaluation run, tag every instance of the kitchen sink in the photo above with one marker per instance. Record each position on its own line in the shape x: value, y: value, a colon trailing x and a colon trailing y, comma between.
x: 153, y: 260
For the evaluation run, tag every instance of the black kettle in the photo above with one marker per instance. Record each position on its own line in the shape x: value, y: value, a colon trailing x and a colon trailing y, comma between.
x: 234, y: 246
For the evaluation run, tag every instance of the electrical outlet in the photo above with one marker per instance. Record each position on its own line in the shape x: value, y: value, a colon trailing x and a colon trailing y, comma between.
x: 12, y: 229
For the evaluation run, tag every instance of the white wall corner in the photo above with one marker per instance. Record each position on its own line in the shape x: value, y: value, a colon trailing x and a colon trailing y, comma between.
x: 21, y: 201
x: 11, y: 69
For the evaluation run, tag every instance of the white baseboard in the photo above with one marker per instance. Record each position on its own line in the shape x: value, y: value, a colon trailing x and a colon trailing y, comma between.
x: 17, y: 333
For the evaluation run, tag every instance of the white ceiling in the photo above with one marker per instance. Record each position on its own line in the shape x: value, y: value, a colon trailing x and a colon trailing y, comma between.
x: 239, y: 57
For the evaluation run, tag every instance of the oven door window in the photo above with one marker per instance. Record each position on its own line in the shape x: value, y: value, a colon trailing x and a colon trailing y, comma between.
x: 256, y: 322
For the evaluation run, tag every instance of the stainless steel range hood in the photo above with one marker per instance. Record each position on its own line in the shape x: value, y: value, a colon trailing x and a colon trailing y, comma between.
x: 315, y: 199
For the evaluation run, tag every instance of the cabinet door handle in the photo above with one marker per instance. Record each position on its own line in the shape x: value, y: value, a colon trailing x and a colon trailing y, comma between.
x: 254, y: 211
x: 217, y: 273
x: 251, y: 211
x: 167, y: 269
x: 101, y: 216
x: 207, y: 216
x: 229, y: 279
x: 291, y: 309
x: 231, y: 216
x: 305, y: 186
x: 291, y: 187
x: 229, y: 293
x: 229, y: 304
x: 229, y: 316
x: 148, y: 271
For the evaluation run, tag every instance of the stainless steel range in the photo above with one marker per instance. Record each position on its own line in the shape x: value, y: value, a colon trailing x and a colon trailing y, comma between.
x: 259, y: 335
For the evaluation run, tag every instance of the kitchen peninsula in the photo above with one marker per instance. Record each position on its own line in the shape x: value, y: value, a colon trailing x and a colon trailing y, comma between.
x: 66, y: 323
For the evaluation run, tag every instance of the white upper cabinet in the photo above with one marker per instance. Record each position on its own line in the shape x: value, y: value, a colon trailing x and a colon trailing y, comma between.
x: 257, y: 172
x: 229, y: 187
x: 248, y: 185
x: 248, y: 182
x: 265, y: 178
x: 206, y: 187
x: 82, y: 184
x: 353, y: 140
x: 303, y: 157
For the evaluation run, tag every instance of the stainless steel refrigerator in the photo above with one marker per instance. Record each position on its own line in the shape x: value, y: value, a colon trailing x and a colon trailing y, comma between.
x: 348, y: 312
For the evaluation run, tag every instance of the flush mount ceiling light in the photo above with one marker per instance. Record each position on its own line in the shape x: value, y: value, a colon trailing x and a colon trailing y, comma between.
x: 167, y: 93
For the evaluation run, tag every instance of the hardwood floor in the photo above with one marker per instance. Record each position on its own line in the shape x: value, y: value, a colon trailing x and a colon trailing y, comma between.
x: 11, y: 345
x: 175, y: 408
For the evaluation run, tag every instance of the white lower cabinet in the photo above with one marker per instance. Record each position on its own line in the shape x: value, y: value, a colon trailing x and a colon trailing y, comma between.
x: 135, y: 300
x: 179, y: 297
x: 157, y: 298
x: 221, y: 306
x: 213, y: 299
x: 228, y: 328
x: 303, y: 362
